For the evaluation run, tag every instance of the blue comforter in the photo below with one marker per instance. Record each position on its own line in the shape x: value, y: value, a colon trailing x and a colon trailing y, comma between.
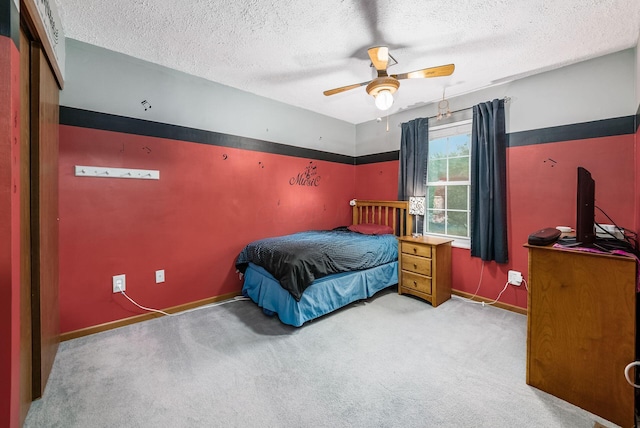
x: 297, y: 260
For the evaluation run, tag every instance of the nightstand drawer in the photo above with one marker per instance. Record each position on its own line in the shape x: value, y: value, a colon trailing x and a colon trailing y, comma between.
x: 416, y: 249
x: 416, y: 282
x: 416, y: 264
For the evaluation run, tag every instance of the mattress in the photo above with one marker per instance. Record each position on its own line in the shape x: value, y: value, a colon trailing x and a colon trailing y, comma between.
x: 297, y: 260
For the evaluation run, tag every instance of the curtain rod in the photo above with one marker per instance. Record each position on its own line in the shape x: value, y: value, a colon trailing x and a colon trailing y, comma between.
x: 505, y: 99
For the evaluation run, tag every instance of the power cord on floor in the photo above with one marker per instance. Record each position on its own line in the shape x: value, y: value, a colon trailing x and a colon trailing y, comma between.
x: 210, y: 305
x: 475, y: 294
x: 483, y: 303
x: 144, y: 307
x: 506, y: 284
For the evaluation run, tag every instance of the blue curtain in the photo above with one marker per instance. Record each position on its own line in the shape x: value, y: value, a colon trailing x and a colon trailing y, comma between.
x: 489, y: 183
x: 414, y: 149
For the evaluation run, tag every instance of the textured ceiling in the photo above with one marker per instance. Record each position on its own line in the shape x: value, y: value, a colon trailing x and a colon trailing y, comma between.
x: 293, y: 50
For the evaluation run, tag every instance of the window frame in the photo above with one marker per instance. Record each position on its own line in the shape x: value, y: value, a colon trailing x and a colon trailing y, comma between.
x: 458, y: 241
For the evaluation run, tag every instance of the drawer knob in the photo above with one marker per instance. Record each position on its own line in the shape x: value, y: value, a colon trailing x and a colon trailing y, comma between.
x: 415, y: 266
x: 415, y: 250
x: 415, y: 283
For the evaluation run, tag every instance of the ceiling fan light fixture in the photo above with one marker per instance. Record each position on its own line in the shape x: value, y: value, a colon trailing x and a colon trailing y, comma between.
x: 382, y: 89
x: 384, y: 100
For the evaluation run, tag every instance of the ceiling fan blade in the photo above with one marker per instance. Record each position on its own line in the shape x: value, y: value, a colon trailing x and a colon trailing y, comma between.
x: 344, y: 88
x: 442, y: 70
x: 379, y: 56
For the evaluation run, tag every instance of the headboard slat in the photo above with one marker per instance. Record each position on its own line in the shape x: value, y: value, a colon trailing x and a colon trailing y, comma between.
x: 395, y: 221
x: 389, y: 213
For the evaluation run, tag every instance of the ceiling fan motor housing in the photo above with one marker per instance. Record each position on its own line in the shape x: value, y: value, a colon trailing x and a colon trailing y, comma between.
x: 384, y: 83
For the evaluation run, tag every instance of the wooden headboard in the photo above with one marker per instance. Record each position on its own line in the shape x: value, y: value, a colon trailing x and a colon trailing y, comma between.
x: 388, y: 213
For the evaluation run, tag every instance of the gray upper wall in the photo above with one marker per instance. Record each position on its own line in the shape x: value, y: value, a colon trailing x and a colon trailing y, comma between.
x: 105, y: 81
x: 601, y: 88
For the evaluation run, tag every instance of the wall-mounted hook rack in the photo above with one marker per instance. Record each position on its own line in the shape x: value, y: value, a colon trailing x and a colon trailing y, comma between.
x: 106, y: 172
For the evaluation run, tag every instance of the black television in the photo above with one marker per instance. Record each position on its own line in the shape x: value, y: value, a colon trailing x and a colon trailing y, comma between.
x: 585, y: 212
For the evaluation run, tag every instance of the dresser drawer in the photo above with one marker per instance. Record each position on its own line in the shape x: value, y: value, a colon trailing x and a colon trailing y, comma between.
x: 413, y: 281
x: 416, y: 264
x: 415, y: 249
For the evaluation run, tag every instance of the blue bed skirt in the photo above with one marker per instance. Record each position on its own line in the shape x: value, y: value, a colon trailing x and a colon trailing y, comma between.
x: 324, y: 295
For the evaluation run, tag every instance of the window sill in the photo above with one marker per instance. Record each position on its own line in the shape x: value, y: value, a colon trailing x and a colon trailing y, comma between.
x: 457, y: 242
x: 465, y: 244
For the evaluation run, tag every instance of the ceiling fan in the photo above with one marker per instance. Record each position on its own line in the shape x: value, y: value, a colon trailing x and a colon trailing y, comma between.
x: 384, y: 85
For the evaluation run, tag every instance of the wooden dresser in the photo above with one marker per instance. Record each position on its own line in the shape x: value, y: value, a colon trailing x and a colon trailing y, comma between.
x: 425, y: 268
x: 581, y: 329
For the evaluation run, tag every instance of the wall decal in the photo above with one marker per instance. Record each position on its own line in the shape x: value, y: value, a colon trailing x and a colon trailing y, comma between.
x: 551, y: 162
x: 146, y: 105
x: 309, y: 177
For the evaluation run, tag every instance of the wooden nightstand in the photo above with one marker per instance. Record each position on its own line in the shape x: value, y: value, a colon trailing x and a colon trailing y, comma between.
x: 424, y: 268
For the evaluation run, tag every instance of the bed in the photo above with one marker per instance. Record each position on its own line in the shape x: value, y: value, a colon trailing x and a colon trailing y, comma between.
x: 305, y: 275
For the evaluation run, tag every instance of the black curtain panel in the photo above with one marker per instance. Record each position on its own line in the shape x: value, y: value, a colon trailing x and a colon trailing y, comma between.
x: 414, y: 148
x: 489, y: 182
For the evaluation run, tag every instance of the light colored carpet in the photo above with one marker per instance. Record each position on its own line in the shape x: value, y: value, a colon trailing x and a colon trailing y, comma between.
x: 392, y: 361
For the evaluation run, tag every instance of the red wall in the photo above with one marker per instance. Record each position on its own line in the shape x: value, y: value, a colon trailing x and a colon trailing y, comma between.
x: 210, y: 201
x: 9, y: 233
x: 377, y: 181
x: 541, y: 193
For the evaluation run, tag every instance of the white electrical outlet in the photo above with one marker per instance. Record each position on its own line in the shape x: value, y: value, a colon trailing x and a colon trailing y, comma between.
x: 119, y: 283
x: 159, y: 276
x: 515, y: 277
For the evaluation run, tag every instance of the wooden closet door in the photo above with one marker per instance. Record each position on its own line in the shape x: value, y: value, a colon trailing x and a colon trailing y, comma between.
x: 44, y: 216
x: 40, y: 83
x: 25, y: 228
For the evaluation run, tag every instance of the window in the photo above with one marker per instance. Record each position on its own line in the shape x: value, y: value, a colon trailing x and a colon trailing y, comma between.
x: 448, y: 172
